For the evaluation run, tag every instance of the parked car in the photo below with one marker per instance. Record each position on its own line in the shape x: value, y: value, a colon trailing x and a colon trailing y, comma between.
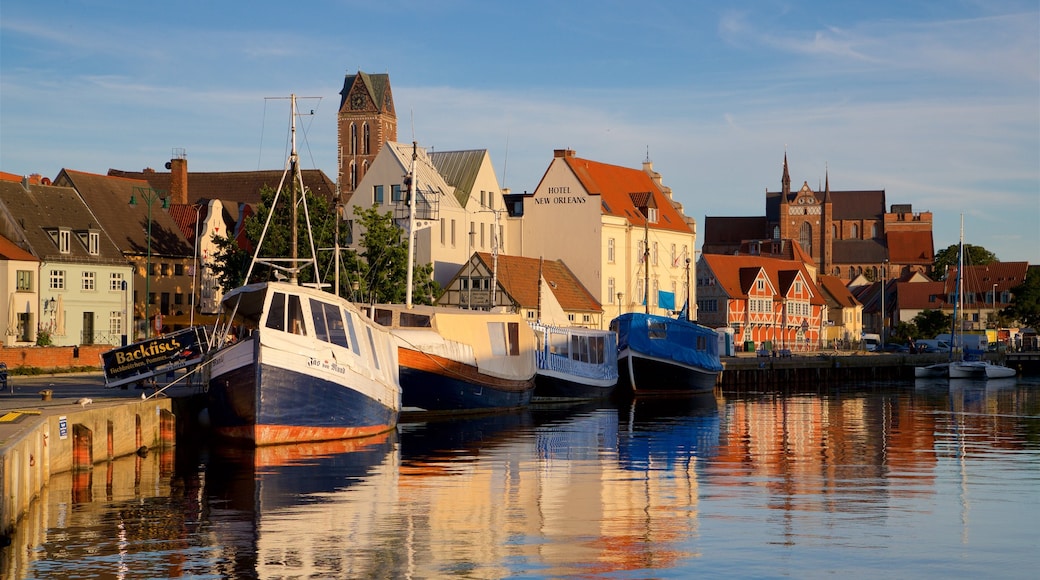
x: 895, y: 347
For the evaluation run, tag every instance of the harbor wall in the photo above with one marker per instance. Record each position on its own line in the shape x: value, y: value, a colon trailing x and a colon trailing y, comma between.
x: 74, y: 439
x: 53, y: 357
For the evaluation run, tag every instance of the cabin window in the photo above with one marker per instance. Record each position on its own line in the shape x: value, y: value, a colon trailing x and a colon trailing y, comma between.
x: 372, y: 345
x: 353, y: 335
x: 505, y: 338
x: 328, y: 323
x: 276, y: 312
x: 384, y: 317
x: 657, y: 330
x: 413, y: 320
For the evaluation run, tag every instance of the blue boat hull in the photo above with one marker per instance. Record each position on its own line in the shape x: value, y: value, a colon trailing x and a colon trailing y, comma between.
x: 271, y: 405
x: 554, y: 387
x: 650, y: 376
x: 662, y: 355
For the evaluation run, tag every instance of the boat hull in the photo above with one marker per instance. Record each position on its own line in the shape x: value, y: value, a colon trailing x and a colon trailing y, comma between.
x: 649, y: 375
x: 270, y: 404
x: 433, y: 383
x: 560, y: 386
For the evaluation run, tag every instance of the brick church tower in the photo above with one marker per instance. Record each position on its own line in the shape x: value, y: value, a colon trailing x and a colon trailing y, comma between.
x: 367, y: 120
x: 804, y: 217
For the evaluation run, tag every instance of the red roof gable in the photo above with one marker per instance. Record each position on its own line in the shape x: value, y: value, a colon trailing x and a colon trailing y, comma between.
x: 615, y: 186
x: 10, y: 251
x: 518, y: 277
x: 732, y: 271
x: 920, y: 295
x: 910, y: 247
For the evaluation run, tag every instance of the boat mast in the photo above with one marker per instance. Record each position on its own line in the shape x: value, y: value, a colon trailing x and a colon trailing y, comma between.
x: 293, y: 168
x: 412, y: 189
x: 646, y: 263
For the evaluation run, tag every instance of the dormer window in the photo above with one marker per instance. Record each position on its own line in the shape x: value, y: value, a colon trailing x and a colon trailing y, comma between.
x: 651, y: 215
x: 91, y: 240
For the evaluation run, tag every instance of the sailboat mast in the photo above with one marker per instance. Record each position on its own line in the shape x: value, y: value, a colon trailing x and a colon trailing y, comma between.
x: 293, y: 165
x: 646, y: 264
x: 412, y: 189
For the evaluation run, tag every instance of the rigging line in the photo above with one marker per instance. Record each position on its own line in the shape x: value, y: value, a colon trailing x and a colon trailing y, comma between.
x: 263, y: 123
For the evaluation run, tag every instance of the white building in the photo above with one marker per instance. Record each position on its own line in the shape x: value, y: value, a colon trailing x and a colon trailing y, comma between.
x: 592, y: 216
x: 459, y: 207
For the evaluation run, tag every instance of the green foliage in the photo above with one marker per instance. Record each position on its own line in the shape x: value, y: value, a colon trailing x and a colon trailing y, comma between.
x: 1025, y: 300
x: 904, y: 331
x: 973, y: 256
x: 43, y: 337
x: 377, y: 274
x: 382, y: 272
x: 930, y: 323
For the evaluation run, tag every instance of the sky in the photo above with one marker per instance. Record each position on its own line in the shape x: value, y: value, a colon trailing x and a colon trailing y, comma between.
x: 936, y: 102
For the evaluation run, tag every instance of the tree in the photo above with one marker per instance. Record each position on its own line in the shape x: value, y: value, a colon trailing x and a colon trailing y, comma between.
x: 382, y: 271
x: 973, y: 256
x: 904, y: 331
x: 1025, y: 300
x: 231, y: 262
x: 930, y: 323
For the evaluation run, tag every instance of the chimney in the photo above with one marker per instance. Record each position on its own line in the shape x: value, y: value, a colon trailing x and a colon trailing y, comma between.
x: 563, y: 153
x: 178, y: 167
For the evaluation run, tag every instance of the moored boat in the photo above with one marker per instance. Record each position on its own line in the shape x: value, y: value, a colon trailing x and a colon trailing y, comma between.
x: 664, y: 355
x: 292, y: 363
x: 574, y: 362
x: 454, y: 360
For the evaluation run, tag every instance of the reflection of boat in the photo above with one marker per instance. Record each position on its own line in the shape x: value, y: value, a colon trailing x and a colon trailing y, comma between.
x: 668, y: 429
x: 444, y: 437
x: 660, y: 354
x: 310, y: 367
x: 272, y: 500
x: 574, y: 362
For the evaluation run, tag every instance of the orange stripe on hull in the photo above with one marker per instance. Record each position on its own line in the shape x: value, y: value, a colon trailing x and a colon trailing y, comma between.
x: 279, y: 434
x: 431, y: 363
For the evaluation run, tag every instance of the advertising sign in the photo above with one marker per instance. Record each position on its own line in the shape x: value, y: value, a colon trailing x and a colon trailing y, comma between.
x: 147, y: 358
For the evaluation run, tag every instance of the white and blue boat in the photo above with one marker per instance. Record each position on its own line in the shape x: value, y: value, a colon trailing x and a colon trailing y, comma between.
x: 664, y: 355
x: 574, y: 363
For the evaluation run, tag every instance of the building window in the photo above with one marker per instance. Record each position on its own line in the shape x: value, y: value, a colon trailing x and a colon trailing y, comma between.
x: 88, y: 281
x: 491, y: 200
x: 675, y: 259
x: 395, y: 193
x: 178, y: 269
x: 178, y: 298
x: 483, y: 198
x: 377, y: 194
x: 115, y: 281
x: 834, y: 232
x: 482, y: 236
x: 353, y: 175
x: 610, y: 289
x: 610, y: 250
x: 653, y: 253
x: 443, y: 232
x: 873, y: 231
x: 353, y: 139
x: 855, y: 231
x: 366, y: 140
x: 64, y: 240
x: 25, y: 281
x: 760, y: 284
x: 57, y: 279
x: 93, y: 243
x: 115, y: 323
x: 776, y: 232
x: 453, y: 233
x: 805, y: 237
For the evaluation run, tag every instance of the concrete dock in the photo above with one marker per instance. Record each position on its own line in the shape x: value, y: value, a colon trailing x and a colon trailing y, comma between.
x: 51, y: 424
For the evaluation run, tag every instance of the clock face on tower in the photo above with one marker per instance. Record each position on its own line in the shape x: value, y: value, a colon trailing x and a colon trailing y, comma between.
x: 357, y: 101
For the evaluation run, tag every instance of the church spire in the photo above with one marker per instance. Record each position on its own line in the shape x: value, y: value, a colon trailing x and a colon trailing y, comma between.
x: 827, y: 185
x: 785, y: 181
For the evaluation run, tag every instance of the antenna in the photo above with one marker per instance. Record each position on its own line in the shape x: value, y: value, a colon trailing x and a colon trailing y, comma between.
x: 505, y: 160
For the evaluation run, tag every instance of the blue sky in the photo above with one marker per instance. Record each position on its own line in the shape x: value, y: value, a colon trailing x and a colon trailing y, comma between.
x: 936, y: 102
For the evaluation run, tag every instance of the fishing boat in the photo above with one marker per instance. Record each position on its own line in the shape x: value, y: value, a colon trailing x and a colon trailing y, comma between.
x: 453, y: 360
x: 574, y: 363
x: 972, y: 366
x: 292, y: 363
x: 664, y: 355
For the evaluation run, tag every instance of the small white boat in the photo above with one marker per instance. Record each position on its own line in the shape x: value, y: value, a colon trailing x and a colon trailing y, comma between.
x: 574, y: 363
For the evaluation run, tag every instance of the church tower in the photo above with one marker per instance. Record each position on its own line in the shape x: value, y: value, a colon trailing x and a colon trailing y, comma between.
x: 367, y: 120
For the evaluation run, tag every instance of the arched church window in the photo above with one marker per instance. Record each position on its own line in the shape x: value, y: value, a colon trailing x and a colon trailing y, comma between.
x: 776, y: 232
x: 873, y: 231
x: 805, y: 237
x: 855, y: 231
x: 366, y: 143
x: 353, y: 139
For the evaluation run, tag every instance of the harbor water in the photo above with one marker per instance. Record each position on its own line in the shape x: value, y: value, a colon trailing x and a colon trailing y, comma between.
x: 896, y: 479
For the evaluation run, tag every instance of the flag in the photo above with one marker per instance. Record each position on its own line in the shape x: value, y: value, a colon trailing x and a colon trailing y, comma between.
x: 684, y: 313
x: 666, y: 300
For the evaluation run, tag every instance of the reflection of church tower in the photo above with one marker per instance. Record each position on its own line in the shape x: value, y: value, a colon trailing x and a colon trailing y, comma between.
x: 367, y: 120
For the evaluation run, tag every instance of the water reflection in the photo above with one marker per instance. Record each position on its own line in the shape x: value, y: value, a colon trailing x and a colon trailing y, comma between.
x: 916, y: 479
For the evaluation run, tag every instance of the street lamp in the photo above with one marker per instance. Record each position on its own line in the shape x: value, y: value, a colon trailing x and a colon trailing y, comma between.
x: 619, y: 295
x: 150, y: 196
x: 994, y: 306
x: 884, y: 268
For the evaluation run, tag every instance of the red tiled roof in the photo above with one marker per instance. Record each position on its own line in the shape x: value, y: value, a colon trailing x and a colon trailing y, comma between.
x: 236, y: 186
x: 10, y: 251
x: 838, y: 291
x: 732, y: 272
x: 518, y: 277
x: 615, y: 184
x: 920, y: 295
x: 910, y: 247
x: 979, y: 279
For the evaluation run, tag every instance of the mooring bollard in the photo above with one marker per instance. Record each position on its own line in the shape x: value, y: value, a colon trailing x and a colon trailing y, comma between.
x: 46, y: 394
